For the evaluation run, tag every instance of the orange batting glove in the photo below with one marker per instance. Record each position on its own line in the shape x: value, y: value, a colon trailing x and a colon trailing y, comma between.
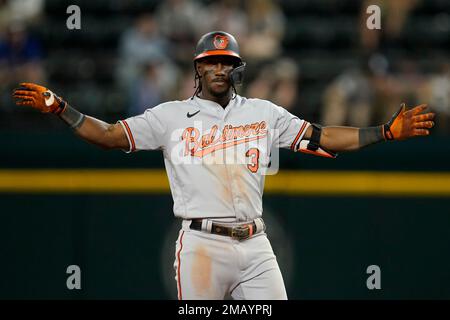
x: 406, y: 124
x: 38, y: 97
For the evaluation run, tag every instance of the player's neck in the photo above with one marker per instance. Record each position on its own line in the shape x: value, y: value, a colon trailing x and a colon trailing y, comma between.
x: 222, y: 100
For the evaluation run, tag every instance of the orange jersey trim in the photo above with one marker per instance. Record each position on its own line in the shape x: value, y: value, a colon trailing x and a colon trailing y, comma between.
x: 133, y: 144
x: 180, y: 295
x: 326, y: 155
x: 298, y: 135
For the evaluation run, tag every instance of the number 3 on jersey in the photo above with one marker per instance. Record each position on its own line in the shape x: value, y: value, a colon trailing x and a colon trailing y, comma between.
x: 254, y: 154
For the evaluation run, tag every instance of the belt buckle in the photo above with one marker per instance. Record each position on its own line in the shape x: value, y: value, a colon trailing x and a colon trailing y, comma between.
x: 240, y: 232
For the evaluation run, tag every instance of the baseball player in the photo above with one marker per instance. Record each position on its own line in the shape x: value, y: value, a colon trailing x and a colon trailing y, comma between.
x: 216, y: 147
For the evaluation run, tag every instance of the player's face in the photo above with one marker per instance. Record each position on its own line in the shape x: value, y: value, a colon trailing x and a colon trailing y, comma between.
x: 215, y: 72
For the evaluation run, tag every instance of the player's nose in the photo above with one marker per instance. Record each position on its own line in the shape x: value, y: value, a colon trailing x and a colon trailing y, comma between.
x: 220, y: 69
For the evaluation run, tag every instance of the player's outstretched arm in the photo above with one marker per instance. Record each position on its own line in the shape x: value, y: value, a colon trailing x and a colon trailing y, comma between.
x: 105, y: 135
x: 404, y: 124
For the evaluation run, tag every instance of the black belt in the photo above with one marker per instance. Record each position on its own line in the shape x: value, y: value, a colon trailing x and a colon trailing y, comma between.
x: 239, y: 232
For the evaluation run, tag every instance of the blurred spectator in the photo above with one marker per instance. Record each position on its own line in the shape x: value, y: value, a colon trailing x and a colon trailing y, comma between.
x: 4, y: 15
x: 393, y: 89
x: 277, y: 82
x: 437, y: 94
x: 387, y: 90
x: 147, y: 93
x: 138, y: 45
x: 228, y: 16
x: 265, y: 30
x: 180, y: 23
x: 411, y: 81
x: 348, y: 100
x: 156, y: 83
x: 24, y: 11
x: 186, y: 84
x: 20, y: 57
x: 394, y: 15
x: 144, y: 63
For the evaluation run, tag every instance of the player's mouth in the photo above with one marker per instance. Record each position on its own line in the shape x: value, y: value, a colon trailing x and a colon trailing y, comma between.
x: 219, y: 81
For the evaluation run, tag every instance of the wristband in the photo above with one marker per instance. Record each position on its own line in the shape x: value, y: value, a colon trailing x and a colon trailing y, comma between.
x: 370, y: 135
x: 72, y: 117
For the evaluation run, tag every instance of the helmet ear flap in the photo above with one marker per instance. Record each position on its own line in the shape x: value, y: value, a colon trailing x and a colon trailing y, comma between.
x: 237, y: 74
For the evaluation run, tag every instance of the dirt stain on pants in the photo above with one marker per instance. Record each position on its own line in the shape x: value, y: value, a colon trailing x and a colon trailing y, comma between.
x: 201, y: 271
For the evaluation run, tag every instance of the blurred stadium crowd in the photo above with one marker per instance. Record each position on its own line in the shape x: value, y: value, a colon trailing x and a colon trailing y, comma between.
x: 315, y: 58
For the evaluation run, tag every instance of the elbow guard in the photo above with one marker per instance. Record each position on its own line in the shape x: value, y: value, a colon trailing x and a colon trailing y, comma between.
x: 313, y: 147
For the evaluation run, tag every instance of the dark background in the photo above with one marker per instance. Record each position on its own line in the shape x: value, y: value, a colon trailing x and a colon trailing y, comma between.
x: 125, y: 243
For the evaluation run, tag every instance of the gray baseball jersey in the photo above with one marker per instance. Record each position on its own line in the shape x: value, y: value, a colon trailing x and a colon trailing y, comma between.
x: 215, y: 157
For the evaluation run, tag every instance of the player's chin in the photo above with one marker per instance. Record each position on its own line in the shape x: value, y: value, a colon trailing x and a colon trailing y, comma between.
x: 219, y: 88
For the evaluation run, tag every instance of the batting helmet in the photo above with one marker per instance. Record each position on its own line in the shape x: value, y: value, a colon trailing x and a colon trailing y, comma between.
x: 220, y: 43
x: 217, y: 43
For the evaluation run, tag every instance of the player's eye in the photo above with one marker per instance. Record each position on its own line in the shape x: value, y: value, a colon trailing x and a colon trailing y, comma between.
x: 225, y: 61
x: 213, y: 61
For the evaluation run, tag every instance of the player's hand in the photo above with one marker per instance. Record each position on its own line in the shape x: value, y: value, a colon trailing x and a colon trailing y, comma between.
x: 409, y: 123
x: 38, y: 97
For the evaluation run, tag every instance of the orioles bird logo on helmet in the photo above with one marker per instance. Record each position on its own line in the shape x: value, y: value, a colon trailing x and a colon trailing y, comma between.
x: 220, y: 42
